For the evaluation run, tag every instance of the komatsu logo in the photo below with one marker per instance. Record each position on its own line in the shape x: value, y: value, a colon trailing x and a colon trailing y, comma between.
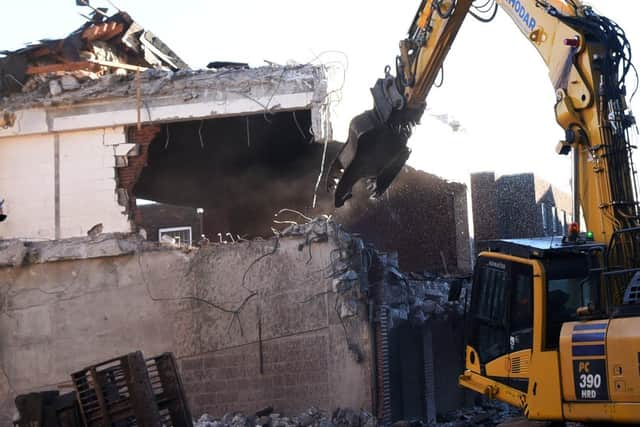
x: 521, y: 11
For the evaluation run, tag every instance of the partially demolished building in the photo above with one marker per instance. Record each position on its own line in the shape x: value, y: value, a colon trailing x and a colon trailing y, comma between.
x: 291, y: 316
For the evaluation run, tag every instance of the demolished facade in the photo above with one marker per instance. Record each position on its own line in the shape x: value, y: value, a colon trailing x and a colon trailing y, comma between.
x: 312, y: 316
x: 87, y: 143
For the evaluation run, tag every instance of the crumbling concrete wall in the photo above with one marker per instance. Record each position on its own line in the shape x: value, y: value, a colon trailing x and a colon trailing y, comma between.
x: 253, y: 323
x: 67, y: 164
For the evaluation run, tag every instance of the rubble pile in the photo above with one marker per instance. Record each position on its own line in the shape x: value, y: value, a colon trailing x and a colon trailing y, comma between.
x: 487, y: 414
x: 413, y: 297
x: 103, y: 45
x: 418, y: 297
x: 313, y: 417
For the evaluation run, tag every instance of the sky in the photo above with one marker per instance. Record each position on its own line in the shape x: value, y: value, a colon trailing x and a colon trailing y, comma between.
x: 495, y: 84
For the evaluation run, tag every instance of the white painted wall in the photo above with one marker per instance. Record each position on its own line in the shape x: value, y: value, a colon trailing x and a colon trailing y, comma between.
x: 27, y: 185
x: 87, y: 184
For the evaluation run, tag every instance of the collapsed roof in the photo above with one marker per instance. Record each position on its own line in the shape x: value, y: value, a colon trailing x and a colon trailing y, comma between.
x: 103, y: 45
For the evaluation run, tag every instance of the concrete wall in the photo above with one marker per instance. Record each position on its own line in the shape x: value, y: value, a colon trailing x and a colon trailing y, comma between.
x: 60, y: 185
x: 206, y: 306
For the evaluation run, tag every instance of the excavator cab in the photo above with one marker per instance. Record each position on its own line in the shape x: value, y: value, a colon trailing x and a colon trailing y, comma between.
x: 540, y: 334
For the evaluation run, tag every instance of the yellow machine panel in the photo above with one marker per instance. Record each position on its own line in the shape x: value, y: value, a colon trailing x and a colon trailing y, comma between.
x: 583, y: 361
x: 600, y: 361
x: 623, y: 356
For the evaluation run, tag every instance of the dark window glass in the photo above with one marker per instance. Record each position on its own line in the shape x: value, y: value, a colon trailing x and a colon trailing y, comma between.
x: 564, y: 297
x: 522, y: 299
x: 490, y: 334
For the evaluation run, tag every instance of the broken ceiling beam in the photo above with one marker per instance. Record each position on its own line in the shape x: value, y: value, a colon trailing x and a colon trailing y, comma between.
x: 121, y: 65
x: 167, y: 96
x: 54, y: 68
x: 81, y: 65
x: 104, y: 31
x: 119, y: 35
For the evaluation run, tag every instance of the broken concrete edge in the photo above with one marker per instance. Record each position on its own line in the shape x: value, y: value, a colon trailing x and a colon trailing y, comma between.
x: 166, y: 82
x: 16, y: 252
x: 408, y: 297
x: 167, y: 96
x: 260, y: 86
x: 413, y: 298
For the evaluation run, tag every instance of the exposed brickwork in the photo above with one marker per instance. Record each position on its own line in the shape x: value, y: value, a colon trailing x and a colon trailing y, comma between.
x: 485, y: 210
x: 295, y: 376
x: 518, y: 215
x: 417, y: 218
x: 128, y: 175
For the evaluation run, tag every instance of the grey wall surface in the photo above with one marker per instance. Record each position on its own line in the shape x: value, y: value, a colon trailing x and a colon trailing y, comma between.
x: 206, y: 307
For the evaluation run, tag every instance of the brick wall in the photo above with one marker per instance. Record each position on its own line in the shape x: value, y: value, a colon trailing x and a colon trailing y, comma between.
x: 518, y: 214
x: 128, y: 175
x: 485, y: 209
x: 295, y: 375
x: 421, y: 217
x: 512, y: 206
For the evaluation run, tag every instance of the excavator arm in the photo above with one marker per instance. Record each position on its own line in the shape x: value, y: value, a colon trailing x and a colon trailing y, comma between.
x: 588, y: 58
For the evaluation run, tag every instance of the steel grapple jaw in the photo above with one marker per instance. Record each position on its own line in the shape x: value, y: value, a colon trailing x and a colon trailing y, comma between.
x: 374, y: 152
x: 376, y: 148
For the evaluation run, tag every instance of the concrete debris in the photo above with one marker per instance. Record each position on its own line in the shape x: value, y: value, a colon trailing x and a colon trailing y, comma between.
x: 414, y: 297
x: 486, y: 414
x: 193, y: 84
x: 12, y: 253
x: 103, y: 45
x: 313, y: 417
x: 55, y: 88
x: 418, y: 297
x: 69, y: 82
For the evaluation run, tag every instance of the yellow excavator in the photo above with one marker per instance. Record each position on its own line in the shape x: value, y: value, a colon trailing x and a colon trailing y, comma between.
x: 553, y: 323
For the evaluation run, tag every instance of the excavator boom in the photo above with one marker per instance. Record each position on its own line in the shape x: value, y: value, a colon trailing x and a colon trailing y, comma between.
x: 553, y: 324
x: 376, y: 148
x: 588, y: 57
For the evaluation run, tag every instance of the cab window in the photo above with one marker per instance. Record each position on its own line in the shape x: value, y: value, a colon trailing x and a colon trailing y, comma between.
x: 571, y: 284
x: 489, y: 309
x: 522, y: 299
